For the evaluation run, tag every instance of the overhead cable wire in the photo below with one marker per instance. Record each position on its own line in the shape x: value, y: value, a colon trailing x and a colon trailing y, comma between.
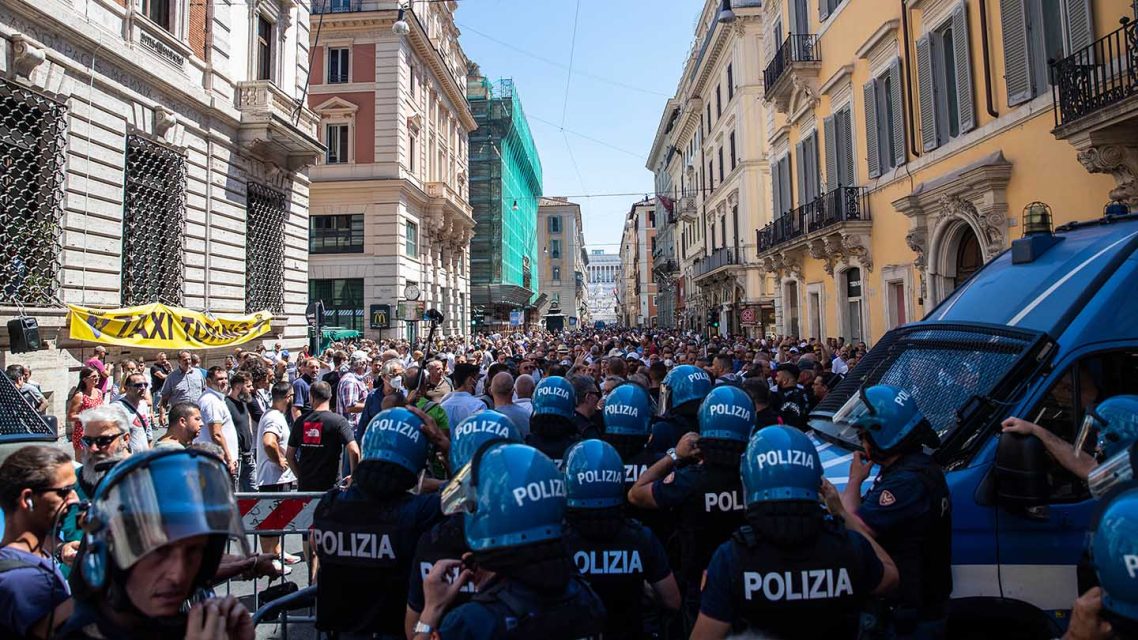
x: 560, y: 65
x: 572, y: 159
x: 569, y: 75
x: 586, y: 137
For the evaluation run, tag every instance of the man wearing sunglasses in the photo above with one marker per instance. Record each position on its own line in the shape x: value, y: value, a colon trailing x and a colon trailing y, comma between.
x: 134, y: 401
x: 37, y: 483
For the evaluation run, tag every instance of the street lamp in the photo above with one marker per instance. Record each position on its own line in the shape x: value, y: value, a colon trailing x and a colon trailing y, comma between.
x: 726, y: 15
x: 401, y: 28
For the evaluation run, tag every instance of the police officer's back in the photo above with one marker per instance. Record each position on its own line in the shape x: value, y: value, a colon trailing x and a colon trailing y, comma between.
x: 707, y: 496
x: 616, y: 554
x: 447, y: 539
x: 513, y: 499
x: 365, y: 535
x: 908, y: 509
x: 552, y: 426
x: 681, y: 393
x: 792, y: 571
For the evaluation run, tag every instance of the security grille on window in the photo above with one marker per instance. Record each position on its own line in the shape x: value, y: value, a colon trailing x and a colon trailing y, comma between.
x: 337, y: 65
x: 1035, y: 31
x: 266, y: 210
x: 154, y: 214
x: 944, y: 72
x: 32, y: 141
x: 884, y: 121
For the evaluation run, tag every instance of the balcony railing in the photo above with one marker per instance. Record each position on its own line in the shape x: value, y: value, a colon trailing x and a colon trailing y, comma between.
x: 798, y: 47
x: 843, y: 204
x: 1096, y: 76
x: 721, y: 257
x: 335, y: 6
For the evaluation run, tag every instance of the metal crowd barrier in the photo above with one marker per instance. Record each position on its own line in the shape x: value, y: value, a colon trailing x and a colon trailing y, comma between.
x: 284, y: 514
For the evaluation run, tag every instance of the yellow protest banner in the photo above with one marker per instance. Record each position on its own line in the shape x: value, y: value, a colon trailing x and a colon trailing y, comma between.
x: 157, y: 326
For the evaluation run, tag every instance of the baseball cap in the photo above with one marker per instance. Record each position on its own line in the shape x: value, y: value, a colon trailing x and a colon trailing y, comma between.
x: 284, y: 353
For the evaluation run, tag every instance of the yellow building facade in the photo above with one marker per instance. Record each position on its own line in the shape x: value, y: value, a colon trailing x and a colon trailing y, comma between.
x: 905, y: 140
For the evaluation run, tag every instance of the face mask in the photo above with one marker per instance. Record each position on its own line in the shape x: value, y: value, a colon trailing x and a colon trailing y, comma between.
x: 397, y: 384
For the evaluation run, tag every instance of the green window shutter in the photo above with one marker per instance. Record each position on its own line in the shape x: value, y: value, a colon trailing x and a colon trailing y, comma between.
x: 847, y: 173
x: 817, y: 180
x: 823, y: 9
x: 926, y: 88
x: 801, y: 177
x: 898, y: 123
x: 1017, y: 69
x: 961, y: 44
x: 831, y: 153
x: 871, y: 129
x: 1080, y: 25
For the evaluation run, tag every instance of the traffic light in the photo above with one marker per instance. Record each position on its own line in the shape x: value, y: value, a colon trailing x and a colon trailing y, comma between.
x: 713, y: 318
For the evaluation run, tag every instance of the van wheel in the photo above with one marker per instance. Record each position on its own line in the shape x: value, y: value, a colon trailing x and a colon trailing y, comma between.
x: 983, y: 618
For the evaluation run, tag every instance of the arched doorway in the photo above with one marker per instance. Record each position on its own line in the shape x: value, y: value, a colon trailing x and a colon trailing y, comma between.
x: 969, y: 257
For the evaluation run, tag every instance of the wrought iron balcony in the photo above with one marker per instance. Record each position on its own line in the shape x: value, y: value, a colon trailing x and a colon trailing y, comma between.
x: 844, y: 204
x: 722, y: 257
x: 799, y: 51
x: 1097, y: 76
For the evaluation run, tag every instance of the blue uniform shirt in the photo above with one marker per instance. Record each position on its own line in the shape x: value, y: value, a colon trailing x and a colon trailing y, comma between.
x: 896, y: 499
x: 672, y: 490
x: 28, y: 594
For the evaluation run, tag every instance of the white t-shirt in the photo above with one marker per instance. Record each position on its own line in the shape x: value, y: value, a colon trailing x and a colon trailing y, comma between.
x: 267, y: 471
x: 214, y: 410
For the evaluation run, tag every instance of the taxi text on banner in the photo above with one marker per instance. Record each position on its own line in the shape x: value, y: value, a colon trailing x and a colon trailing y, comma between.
x: 157, y: 326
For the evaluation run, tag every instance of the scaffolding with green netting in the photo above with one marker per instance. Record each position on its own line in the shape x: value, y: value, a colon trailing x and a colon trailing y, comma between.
x: 505, y: 184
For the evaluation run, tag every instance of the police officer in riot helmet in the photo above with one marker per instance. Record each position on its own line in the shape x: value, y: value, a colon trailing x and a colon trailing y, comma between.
x: 513, y: 500
x: 681, y: 393
x: 616, y: 554
x: 908, y: 509
x: 700, y: 479
x: 628, y: 425
x: 365, y: 535
x: 447, y: 538
x: 154, y: 536
x: 792, y: 571
x: 553, y: 427
x: 1110, y: 610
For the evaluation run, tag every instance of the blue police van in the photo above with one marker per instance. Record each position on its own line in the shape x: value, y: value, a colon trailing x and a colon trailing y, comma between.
x: 1043, y: 331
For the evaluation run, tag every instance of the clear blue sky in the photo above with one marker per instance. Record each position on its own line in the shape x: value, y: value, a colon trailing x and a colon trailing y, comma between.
x: 639, y: 43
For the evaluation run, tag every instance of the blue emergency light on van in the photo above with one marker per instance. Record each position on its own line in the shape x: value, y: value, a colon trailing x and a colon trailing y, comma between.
x: 1043, y: 332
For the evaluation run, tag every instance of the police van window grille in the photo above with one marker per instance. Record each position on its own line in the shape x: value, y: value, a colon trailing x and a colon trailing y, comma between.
x: 264, y: 249
x: 33, y: 134
x: 154, y: 215
x: 17, y: 417
x: 941, y: 367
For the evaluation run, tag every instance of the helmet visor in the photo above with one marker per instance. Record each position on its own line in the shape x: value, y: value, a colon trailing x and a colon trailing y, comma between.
x: 1113, y: 472
x: 1087, y: 432
x: 459, y: 496
x: 852, y: 412
x: 665, y: 400
x: 170, y: 499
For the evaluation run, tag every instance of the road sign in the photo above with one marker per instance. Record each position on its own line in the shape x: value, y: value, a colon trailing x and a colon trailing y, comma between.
x: 748, y: 315
x: 515, y: 318
x: 380, y: 316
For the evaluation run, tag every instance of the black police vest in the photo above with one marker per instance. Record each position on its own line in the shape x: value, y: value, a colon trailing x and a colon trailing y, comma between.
x: 444, y: 541
x: 811, y: 591
x: 365, y: 561
x: 576, y: 613
x: 614, y: 567
x: 662, y: 522
x: 554, y: 448
x: 923, y: 550
x: 709, y: 516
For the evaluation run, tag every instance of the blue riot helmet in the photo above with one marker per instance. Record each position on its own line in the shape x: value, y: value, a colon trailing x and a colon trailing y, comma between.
x: 396, y: 436
x: 727, y: 413
x: 1114, y: 550
x: 594, y: 476
x: 683, y: 384
x: 156, y: 498
x: 472, y: 433
x: 628, y: 411
x: 781, y: 464
x: 511, y: 494
x: 1114, y: 421
x: 888, y: 418
x: 554, y: 396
